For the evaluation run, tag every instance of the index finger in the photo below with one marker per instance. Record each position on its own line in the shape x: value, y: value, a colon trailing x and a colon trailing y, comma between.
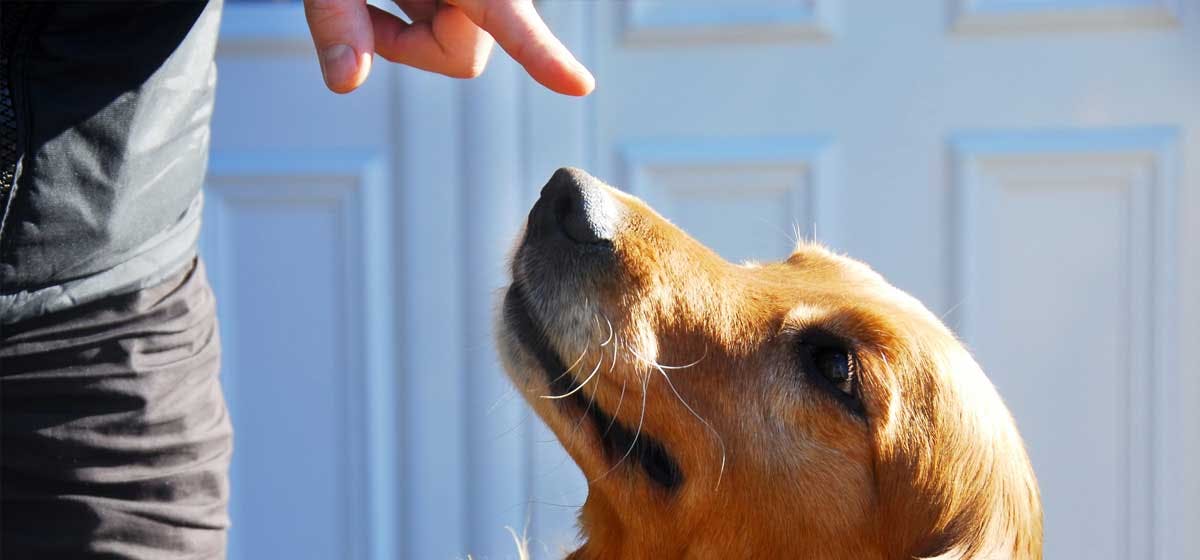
x: 520, y: 31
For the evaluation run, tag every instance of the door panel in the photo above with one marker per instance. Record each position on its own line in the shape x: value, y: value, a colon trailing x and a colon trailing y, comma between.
x: 294, y: 254
x: 775, y: 189
x: 1076, y: 227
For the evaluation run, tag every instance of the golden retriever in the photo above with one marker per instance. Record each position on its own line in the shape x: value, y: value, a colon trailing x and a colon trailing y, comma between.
x: 798, y: 409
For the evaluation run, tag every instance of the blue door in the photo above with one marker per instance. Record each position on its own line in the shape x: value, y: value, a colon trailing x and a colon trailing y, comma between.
x: 960, y: 147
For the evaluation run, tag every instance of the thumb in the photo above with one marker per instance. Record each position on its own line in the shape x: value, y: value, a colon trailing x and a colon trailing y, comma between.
x: 341, y: 31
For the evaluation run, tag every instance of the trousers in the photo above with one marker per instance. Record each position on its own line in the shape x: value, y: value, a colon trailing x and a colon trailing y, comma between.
x: 115, y: 441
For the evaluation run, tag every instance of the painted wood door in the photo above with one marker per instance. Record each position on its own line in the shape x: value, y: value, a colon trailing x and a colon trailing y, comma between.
x: 1025, y: 168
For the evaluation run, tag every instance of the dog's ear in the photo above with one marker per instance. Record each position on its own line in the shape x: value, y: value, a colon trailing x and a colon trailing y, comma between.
x: 955, y: 482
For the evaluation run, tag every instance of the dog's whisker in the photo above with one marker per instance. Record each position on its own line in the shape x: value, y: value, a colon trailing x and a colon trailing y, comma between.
x: 521, y: 422
x: 610, y: 333
x: 612, y: 421
x: 572, y: 366
x: 616, y: 346
x: 521, y: 541
x: 507, y: 396
x: 952, y: 309
x: 624, y: 383
x: 535, y: 502
x: 720, y: 440
x: 581, y: 385
x: 595, y: 389
x: 658, y: 365
x: 592, y: 399
x: 637, y: 433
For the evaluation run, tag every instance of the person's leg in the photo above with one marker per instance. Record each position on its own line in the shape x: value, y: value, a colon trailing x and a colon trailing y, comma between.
x: 115, y: 438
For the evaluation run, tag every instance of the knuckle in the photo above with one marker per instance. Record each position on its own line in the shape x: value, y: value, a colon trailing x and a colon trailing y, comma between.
x: 483, y: 16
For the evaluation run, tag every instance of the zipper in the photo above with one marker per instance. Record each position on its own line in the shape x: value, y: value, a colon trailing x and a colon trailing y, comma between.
x: 12, y: 22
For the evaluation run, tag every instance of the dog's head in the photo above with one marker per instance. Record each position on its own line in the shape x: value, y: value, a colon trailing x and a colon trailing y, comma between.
x: 798, y: 409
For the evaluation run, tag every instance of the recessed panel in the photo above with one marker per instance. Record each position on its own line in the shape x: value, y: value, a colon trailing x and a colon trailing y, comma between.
x: 657, y: 21
x: 285, y: 240
x: 1057, y: 237
x: 749, y: 200
x: 1051, y: 328
x: 743, y: 213
x: 1017, y: 16
x: 291, y: 381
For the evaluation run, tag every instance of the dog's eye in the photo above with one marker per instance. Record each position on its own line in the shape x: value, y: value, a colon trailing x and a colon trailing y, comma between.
x: 830, y: 365
x: 836, y: 366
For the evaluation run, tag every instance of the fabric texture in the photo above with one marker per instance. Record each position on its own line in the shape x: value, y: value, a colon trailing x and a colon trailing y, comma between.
x: 114, y: 437
x: 151, y: 263
x: 104, y: 134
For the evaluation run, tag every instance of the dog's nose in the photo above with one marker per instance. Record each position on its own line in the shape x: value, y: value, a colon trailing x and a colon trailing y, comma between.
x: 577, y: 205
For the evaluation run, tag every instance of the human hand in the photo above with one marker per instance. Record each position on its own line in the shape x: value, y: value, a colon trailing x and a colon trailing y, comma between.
x: 451, y: 37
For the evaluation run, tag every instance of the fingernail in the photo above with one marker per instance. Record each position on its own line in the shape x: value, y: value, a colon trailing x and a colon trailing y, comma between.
x: 338, y: 65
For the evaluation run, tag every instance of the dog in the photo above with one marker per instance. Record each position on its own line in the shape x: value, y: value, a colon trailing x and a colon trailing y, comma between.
x: 798, y: 409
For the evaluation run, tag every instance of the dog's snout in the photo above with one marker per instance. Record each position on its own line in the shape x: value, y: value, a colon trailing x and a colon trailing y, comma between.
x: 577, y: 206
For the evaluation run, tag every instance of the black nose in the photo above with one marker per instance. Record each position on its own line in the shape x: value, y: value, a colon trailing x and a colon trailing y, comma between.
x: 576, y: 205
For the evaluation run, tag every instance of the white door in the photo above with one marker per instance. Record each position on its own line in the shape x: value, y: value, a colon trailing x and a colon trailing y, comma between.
x: 1027, y: 168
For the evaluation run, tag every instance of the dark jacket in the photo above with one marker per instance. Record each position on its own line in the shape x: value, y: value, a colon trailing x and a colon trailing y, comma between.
x: 104, y: 131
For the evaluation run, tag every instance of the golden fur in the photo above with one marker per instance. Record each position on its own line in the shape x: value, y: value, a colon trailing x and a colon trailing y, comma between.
x: 772, y: 467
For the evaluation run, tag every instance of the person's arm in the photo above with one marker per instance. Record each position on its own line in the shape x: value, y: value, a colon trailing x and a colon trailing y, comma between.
x: 451, y: 37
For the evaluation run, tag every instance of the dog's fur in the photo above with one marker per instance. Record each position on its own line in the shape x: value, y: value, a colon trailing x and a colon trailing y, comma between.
x: 748, y: 452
